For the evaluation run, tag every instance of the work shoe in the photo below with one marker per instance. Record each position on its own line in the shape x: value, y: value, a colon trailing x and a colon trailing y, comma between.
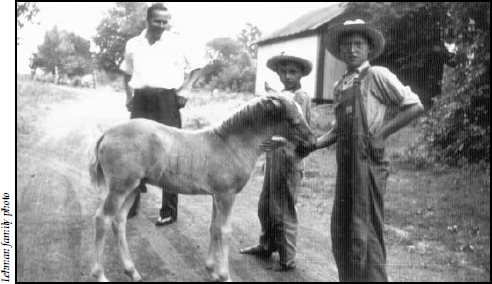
x: 162, y: 221
x: 257, y: 250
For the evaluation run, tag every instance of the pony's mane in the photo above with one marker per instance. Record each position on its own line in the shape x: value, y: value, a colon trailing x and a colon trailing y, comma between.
x: 249, y: 115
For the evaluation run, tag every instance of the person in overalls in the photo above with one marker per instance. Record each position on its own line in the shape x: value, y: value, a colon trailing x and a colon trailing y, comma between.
x: 283, y: 174
x: 363, y: 97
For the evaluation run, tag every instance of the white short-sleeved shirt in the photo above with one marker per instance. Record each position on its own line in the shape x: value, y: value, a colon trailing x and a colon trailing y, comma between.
x: 160, y: 65
x: 381, y: 90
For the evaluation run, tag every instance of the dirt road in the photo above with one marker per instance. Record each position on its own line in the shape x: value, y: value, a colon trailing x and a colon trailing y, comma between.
x: 56, y: 206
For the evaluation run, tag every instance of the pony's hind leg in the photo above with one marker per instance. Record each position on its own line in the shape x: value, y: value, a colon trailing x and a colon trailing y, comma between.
x: 104, y: 217
x: 119, y: 229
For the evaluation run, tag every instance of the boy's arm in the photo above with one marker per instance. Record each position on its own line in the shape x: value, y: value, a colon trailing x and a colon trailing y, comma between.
x: 393, y: 92
x: 408, y: 114
x: 328, y: 138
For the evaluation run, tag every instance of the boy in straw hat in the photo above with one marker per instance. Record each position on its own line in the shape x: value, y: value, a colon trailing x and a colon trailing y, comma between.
x: 283, y: 174
x: 362, y: 99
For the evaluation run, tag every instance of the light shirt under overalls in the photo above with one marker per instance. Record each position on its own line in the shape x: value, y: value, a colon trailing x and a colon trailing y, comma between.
x: 380, y: 90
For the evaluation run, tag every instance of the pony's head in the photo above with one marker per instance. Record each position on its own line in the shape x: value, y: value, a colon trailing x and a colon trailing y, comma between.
x: 273, y: 115
x: 286, y: 120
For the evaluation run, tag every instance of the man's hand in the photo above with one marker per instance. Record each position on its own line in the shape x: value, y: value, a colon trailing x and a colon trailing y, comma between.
x: 273, y: 144
x: 129, y: 103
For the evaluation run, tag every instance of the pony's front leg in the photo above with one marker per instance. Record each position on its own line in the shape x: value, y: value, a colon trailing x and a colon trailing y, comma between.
x: 213, y: 249
x: 104, y: 217
x: 221, y: 234
x: 119, y: 229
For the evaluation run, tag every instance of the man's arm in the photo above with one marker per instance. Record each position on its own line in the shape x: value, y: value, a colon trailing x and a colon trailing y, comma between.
x: 194, y: 75
x: 408, y: 114
x: 129, y: 92
x: 187, y: 85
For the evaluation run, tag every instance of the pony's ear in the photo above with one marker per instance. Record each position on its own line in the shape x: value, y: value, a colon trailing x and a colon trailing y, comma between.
x: 277, y: 104
x: 274, y: 108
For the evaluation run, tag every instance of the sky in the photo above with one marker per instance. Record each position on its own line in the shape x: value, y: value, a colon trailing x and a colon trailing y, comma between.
x: 197, y: 22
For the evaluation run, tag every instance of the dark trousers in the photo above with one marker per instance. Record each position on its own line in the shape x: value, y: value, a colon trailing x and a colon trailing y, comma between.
x: 159, y: 105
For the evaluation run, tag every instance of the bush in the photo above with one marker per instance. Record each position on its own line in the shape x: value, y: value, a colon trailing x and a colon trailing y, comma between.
x: 236, y: 76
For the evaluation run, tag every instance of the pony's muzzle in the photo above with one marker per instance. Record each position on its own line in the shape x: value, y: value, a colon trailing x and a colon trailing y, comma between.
x: 304, y: 149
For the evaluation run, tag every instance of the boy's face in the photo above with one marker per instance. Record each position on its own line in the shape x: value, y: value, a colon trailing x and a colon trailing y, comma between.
x: 290, y: 75
x: 354, y: 50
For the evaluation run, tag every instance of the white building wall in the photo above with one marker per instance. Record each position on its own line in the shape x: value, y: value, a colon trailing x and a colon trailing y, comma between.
x: 333, y: 71
x: 306, y: 47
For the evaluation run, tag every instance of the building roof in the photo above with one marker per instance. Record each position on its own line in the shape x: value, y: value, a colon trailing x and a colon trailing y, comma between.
x: 305, y: 24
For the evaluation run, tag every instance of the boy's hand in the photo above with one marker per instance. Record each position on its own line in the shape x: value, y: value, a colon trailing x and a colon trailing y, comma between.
x: 274, y: 143
x: 377, y: 141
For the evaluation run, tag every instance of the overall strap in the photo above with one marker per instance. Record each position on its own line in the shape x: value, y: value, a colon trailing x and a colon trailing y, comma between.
x: 359, y: 98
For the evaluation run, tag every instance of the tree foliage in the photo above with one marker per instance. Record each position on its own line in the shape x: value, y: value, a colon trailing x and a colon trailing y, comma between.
x: 232, y: 62
x: 25, y: 12
x: 223, y: 49
x: 64, y: 52
x: 457, y: 128
x: 126, y: 20
x: 459, y: 124
x: 248, y: 37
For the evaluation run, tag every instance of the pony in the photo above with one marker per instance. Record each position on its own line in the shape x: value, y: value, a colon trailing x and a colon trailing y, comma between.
x: 215, y: 161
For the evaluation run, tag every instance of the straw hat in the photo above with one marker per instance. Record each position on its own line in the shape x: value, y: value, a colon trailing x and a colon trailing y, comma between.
x: 306, y: 65
x: 357, y: 26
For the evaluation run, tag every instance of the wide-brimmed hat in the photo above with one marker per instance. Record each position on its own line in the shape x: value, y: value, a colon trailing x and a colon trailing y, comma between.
x: 306, y: 65
x: 357, y: 26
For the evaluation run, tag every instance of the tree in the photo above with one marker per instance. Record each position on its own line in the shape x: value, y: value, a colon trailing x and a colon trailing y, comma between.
x: 230, y: 67
x: 222, y: 49
x: 126, y: 20
x: 26, y: 11
x: 248, y: 37
x: 458, y: 126
x: 63, y: 52
x: 220, y: 52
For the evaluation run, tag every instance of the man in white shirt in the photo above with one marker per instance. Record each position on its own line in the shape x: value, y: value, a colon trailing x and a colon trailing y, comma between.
x: 154, y: 66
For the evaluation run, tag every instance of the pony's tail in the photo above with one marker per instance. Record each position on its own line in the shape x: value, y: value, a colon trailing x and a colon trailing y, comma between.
x: 95, y: 170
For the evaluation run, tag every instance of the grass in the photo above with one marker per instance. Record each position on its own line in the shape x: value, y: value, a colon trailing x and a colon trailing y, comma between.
x: 34, y: 100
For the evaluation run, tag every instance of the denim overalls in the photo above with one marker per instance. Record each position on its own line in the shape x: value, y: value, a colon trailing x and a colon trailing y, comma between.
x: 358, y: 210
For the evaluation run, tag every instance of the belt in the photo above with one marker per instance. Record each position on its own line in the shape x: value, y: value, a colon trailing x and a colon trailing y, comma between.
x: 155, y: 91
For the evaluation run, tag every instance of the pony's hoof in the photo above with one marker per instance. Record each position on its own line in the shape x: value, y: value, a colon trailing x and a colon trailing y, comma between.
x: 99, y: 275
x: 220, y: 278
x: 214, y: 277
x: 224, y: 278
x: 134, y: 275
